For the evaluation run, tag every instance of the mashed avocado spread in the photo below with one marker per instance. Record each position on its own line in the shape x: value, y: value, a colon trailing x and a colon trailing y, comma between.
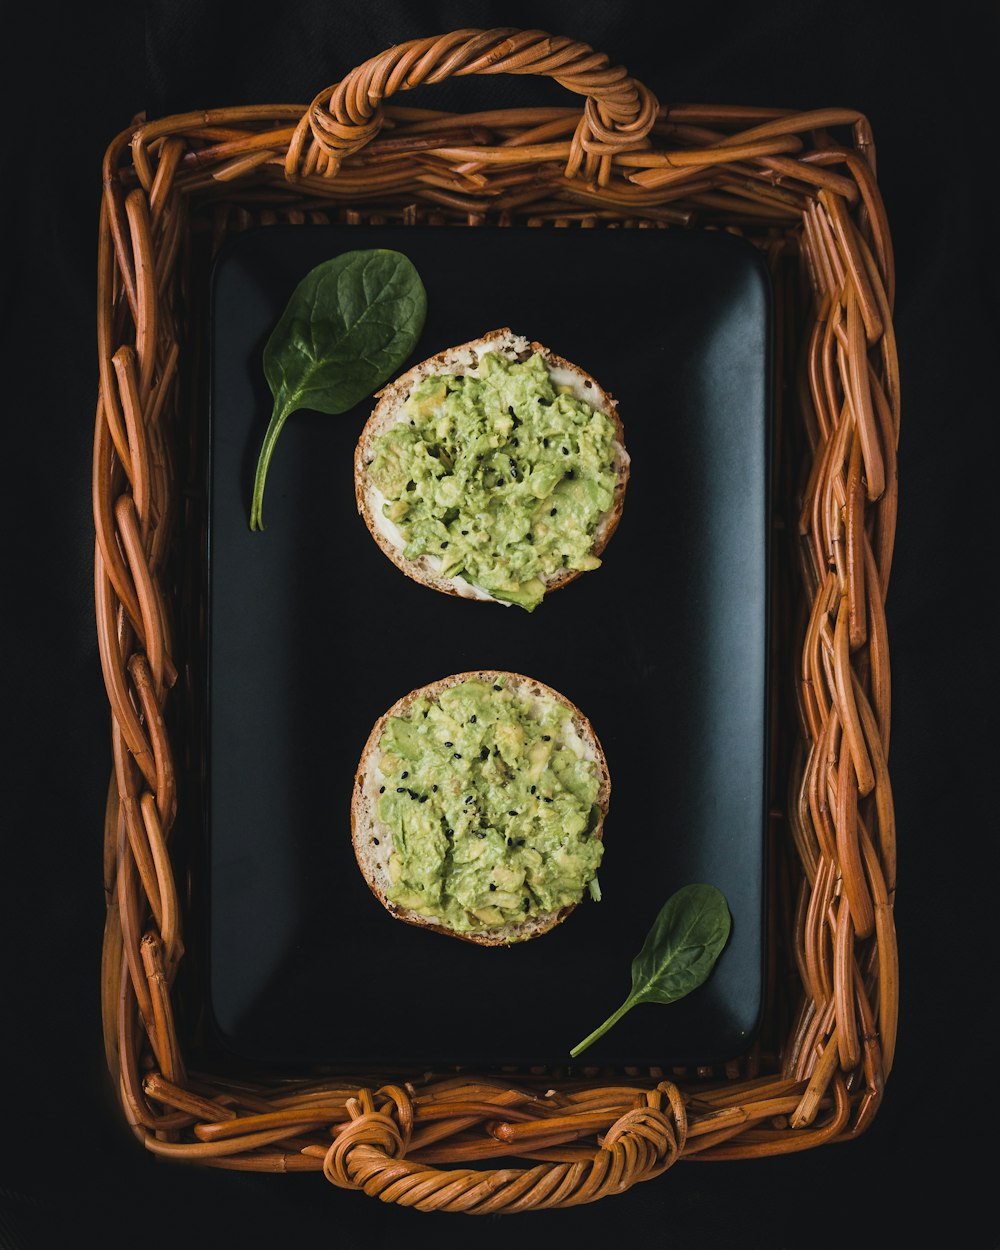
x: 501, y: 477
x: 491, y: 799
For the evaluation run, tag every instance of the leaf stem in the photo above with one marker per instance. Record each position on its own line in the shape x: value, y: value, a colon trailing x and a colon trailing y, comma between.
x: 611, y: 1021
x: 279, y: 415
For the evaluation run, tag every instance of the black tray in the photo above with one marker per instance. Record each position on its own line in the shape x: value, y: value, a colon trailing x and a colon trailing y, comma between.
x: 313, y: 633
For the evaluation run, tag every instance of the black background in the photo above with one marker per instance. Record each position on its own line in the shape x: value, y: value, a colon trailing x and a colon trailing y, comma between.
x: 74, y: 77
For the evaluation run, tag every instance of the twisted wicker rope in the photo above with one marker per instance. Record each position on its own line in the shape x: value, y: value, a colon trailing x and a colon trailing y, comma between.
x: 370, y: 1154
x: 617, y: 115
x: 812, y: 204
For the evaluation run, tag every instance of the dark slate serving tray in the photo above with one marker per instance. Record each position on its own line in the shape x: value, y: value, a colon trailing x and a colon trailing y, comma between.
x: 313, y: 633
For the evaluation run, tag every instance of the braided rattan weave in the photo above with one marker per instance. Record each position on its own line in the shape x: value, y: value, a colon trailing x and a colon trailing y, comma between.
x: 174, y: 189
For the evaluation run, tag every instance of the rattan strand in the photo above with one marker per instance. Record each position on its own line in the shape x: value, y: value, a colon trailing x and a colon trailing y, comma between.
x: 810, y: 201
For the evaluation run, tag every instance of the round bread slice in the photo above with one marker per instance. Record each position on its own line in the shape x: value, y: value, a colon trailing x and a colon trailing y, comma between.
x: 464, y: 360
x: 373, y: 840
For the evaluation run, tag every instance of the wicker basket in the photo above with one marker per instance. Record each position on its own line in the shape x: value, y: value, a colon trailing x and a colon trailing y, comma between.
x: 174, y: 189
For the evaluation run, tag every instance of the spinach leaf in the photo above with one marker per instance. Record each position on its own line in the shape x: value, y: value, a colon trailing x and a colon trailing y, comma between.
x: 349, y: 325
x: 680, y: 951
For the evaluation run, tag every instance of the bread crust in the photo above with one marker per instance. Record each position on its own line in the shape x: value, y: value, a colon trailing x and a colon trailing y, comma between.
x: 457, y: 360
x: 365, y: 825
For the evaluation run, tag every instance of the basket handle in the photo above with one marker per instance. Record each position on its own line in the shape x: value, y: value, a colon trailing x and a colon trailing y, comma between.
x: 369, y: 1153
x: 617, y: 115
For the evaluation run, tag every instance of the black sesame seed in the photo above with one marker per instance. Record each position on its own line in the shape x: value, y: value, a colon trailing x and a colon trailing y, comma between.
x: 465, y: 533
x: 553, y: 512
x: 484, y: 754
x: 404, y: 775
x: 449, y: 833
x: 533, y: 789
x: 565, y: 451
x: 434, y: 788
x: 512, y: 812
x: 492, y: 886
x: 513, y: 471
x: 470, y: 798
x: 472, y: 720
x: 449, y: 744
x: 413, y: 794
x: 401, y: 789
x: 546, y: 737
x: 423, y: 798
x: 457, y: 756
x: 375, y: 840
x: 443, y: 545
x: 498, y: 687
x: 570, y: 473
x: 510, y: 411
x: 546, y: 800
x: 381, y: 789
x: 545, y: 442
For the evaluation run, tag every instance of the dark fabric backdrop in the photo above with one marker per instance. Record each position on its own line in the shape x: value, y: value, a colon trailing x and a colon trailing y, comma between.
x: 83, y: 71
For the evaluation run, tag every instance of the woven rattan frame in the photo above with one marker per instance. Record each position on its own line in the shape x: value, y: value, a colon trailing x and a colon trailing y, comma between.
x: 810, y: 201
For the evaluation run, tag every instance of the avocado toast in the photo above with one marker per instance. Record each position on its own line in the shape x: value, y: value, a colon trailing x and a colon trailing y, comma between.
x: 478, y: 807
x: 495, y: 470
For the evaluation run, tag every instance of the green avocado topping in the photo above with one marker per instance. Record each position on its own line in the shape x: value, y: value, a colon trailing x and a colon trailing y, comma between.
x: 491, y: 802
x: 502, y: 477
